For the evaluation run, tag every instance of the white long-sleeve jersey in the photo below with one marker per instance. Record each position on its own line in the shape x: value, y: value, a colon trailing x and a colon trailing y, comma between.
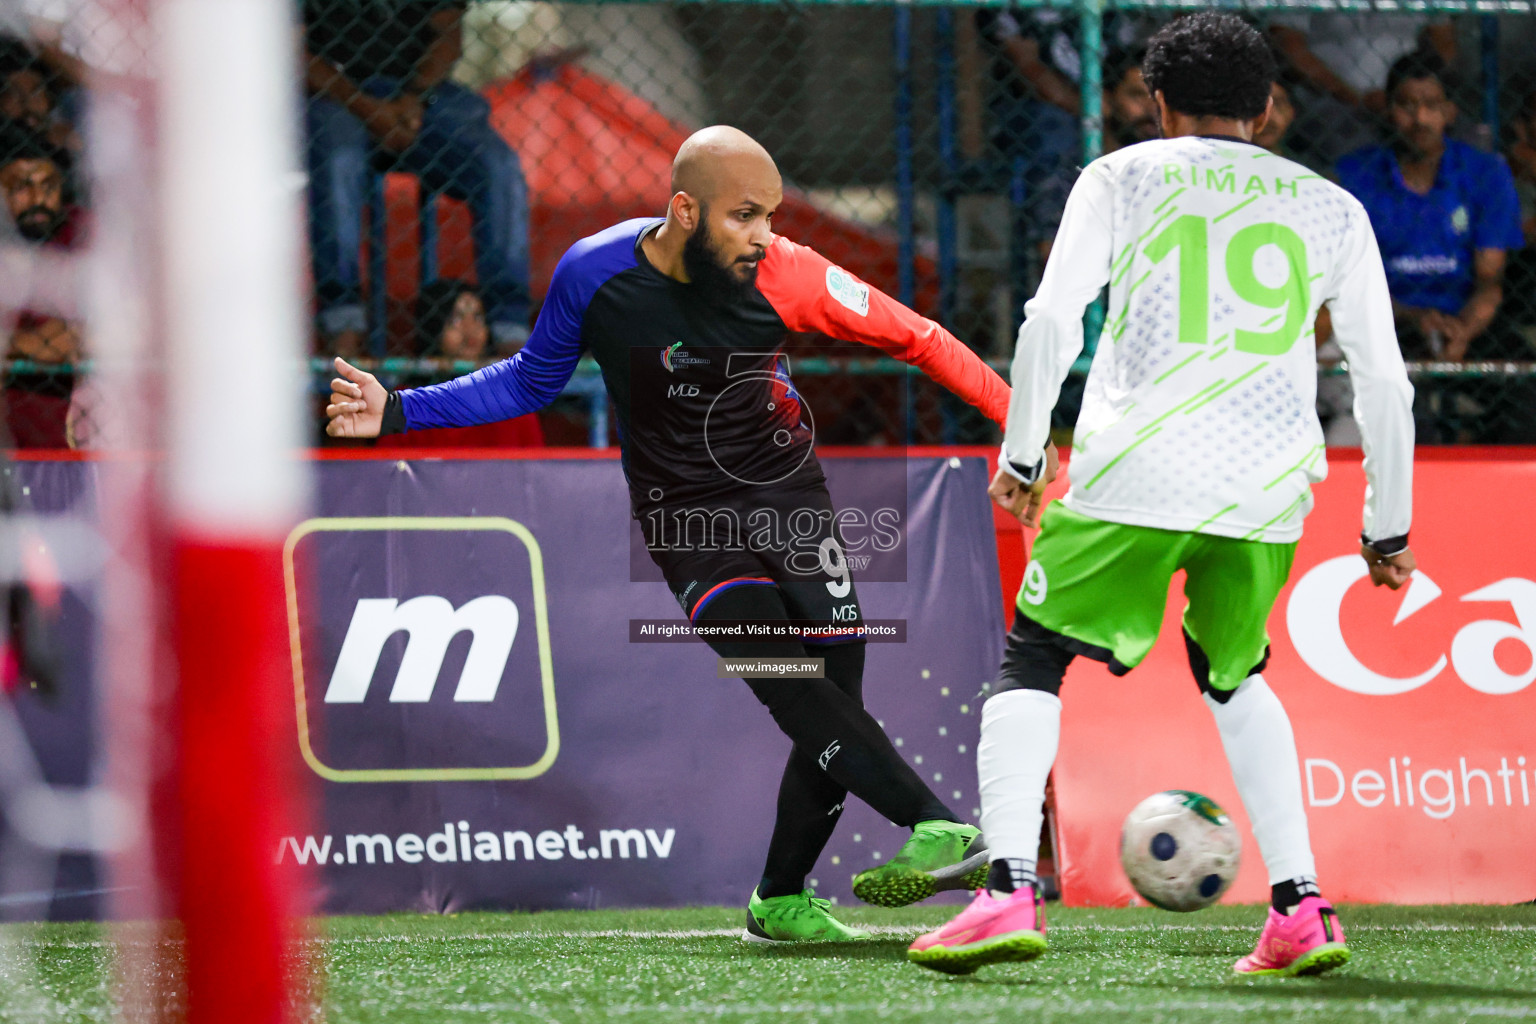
x: 1199, y: 413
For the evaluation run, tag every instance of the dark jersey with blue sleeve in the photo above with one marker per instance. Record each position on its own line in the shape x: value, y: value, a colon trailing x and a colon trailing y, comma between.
x: 704, y: 403
x: 1428, y: 242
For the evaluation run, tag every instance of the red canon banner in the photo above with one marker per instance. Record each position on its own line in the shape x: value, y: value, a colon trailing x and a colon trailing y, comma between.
x: 1414, y: 711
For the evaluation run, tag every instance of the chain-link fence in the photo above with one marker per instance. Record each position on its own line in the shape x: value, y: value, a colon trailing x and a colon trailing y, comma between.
x: 455, y: 150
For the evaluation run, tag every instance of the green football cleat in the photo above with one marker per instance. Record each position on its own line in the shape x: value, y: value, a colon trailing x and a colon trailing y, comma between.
x: 802, y: 918
x: 940, y: 855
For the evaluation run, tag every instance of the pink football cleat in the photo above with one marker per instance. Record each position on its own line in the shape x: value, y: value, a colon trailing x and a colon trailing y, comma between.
x: 1308, y: 941
x: 989, y: 931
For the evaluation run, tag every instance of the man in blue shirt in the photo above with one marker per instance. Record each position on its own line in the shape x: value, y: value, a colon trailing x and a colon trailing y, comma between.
x: 1444, y: 214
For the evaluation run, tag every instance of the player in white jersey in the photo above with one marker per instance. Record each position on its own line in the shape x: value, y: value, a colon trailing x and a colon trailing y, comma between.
x: 1195, y: 449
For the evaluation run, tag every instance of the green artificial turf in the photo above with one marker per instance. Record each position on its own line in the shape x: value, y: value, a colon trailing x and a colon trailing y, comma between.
x: 1427, y: 964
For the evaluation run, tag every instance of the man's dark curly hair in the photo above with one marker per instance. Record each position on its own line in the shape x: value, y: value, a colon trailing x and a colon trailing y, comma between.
x: 1210, y: 65
x: 1415, y: 66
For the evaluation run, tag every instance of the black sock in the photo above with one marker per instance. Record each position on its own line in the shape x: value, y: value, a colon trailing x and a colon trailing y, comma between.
x: 810, y: 802
x: 824, y: 721
x: 848, y: 745
x: 1010, y: 874
x: 1287, y: 896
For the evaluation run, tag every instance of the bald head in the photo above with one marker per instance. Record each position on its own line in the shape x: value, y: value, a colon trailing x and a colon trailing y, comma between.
x: 725, y: 191
x: 721, y: 161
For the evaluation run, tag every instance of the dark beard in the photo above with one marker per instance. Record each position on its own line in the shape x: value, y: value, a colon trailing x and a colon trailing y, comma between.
x: 1408, y: 151
x: 706, y: 271
x: 1131, y: 134
x: 39, y: 228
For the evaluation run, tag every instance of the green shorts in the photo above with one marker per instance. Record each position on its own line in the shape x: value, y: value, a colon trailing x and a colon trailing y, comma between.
x: 1105, y: 585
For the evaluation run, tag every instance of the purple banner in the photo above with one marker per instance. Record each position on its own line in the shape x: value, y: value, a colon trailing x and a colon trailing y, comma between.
x: 522, y: 752
x: 50, y: 863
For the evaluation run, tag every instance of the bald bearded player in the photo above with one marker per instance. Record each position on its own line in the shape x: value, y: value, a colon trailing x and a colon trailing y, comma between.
x: 687, y: 316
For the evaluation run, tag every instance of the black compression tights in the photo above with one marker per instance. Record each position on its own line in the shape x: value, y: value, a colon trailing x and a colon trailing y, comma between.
x: 826, y: 720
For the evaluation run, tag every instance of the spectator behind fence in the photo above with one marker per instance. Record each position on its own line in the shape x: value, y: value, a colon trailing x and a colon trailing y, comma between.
x: 450, y: 323
x: 1036, y: 99
x: 1282, y: 114
x: 1522, y: 161
x: 1444, y: 213
x: 1340, y: 60
x: 1130, y: 116
x: 28, y: 95
x: 1521, y: 276
x: 380, y: 98
x: 37, y: 400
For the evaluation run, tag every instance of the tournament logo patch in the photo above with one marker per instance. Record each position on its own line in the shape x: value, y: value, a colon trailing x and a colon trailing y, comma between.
x: 675, y: 355
x: 848, y: 290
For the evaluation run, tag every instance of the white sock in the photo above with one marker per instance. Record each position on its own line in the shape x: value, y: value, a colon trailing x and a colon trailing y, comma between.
x: 1261, y: 750
x: 1020, y: 730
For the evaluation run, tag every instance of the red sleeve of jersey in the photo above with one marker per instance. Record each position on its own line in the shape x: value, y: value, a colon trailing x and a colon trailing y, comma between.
x: 813, y: 295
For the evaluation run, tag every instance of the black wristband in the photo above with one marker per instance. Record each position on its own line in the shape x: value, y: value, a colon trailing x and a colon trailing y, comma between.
x: 1387, y: 546
x: 1028, y: 474
x: 394, y: 415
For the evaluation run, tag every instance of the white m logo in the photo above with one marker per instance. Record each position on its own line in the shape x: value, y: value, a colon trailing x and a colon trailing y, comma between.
x: 430, y: 624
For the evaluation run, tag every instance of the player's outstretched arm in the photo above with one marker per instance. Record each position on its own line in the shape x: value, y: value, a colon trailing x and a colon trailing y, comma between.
x: 813, y: 295
x: 525, y: 383
x: 1361, y: 310
x: 357, y: 403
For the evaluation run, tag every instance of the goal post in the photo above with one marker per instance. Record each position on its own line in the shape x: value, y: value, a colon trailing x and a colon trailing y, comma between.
x: 197, y: 295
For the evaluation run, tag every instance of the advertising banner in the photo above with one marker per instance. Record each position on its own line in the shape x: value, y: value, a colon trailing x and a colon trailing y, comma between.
x: 486, y: 725
x: 484, y: 731
x: 1414, y: 711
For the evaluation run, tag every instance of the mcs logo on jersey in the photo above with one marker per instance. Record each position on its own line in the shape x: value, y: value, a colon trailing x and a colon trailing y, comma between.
x: 421, y: 649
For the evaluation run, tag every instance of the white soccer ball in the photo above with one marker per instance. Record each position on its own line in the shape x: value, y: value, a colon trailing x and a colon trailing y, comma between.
x: 1180, y: 850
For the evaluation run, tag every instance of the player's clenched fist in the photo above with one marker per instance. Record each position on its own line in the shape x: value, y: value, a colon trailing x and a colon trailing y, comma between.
x: 357, y: 403
x: 1389, y: 570
x: 1021, y: 500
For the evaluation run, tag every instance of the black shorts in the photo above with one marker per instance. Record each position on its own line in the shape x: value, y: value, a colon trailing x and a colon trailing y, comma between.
x: 782, y: 537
